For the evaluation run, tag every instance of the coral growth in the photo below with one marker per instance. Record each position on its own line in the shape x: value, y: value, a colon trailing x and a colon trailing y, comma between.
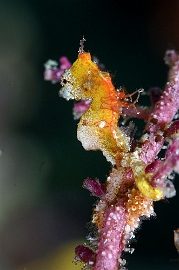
x: 176, y: 239
x: 138, y: 176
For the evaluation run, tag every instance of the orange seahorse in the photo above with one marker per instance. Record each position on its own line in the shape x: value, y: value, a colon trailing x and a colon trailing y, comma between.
x: 98, y: 127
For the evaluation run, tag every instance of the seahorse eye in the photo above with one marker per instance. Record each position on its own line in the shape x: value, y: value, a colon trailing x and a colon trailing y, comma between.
x: 64, y: 81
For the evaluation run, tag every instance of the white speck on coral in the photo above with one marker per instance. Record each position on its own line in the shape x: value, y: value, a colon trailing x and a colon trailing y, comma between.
x: 105, y: 241
x: 127, y: 228
x: 176, y: 80
x: 110, y: 256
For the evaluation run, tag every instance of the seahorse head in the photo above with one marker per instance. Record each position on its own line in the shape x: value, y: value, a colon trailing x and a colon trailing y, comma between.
x: 78, y: 82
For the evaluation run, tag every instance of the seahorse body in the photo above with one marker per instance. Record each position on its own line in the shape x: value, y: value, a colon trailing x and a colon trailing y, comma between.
x: 98, y: 127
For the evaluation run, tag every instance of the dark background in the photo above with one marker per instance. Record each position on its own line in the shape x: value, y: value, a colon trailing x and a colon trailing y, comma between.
x: 42, y: 165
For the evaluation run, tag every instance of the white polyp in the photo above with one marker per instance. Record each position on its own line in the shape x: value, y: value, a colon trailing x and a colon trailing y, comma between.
x: 110, y: 256
x: 127, y: 228
x: 51, y: 64
x: 114, y: 217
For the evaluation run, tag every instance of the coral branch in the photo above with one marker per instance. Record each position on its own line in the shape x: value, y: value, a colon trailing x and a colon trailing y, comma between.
x: 52, y: 72
x: 80, y: 108
x: 111, y: 242
x: 170, y: 164
x: 138, y: 112
x: 138, y: 176
x: 95, y: 187
x: 85, y: 254
x: 174, y: 128
x: 155, y: 94
x: 176, y: 239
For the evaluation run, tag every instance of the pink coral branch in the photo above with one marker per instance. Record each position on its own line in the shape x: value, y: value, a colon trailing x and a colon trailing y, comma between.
x: 170, y: 164
x: 138, y: 176
x: 168, y: 104
x: 165, y: 108
x: 95, y: 187
x: 111, y: 242
x: 174, y: 128
x: 154, y: 166
x: 155, y: 94
x: 138, y: 112
x: 52, y: 72
x: 163, y: 113
x: 81, y: 107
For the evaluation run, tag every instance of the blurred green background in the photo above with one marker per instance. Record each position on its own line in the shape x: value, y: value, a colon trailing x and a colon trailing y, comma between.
x: 42, y: 165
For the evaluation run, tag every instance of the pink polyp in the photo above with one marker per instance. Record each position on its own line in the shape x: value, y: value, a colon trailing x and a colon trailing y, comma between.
x: 85, y: 254
x: 95, y: 187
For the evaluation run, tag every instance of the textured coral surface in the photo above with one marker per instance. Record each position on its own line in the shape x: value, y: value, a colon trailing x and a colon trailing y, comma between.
x: 138, y: 176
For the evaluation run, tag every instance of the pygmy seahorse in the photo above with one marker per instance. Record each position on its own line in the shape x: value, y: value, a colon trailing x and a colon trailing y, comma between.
x: 98, y: 127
